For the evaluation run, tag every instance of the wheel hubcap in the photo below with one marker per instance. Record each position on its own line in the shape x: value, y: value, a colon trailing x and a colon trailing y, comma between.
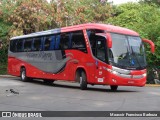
x: 80, y: 80
x: 23, y: 75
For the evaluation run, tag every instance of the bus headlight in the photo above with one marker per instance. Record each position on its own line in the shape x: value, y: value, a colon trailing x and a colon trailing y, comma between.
x: 114, y: 72
x: 144, y: 75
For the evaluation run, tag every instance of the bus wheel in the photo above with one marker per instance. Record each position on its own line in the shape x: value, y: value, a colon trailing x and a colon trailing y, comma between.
x: 24, y: 78
x: 83, y: 80
x: 113, y: 87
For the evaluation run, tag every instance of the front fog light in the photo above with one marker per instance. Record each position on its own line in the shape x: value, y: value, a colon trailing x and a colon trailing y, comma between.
x: 113, y: 80
x: 144, y: 75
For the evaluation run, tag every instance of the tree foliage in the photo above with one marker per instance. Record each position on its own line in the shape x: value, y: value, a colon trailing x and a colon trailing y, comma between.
x: 72, y: 12
x: 37, y: 15
x: 27, y: 16
x: 18, y: 17
x: 143, y: 18
x: 150, y: 1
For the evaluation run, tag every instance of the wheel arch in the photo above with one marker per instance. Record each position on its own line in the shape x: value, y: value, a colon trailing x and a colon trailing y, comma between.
x: 77, y: 72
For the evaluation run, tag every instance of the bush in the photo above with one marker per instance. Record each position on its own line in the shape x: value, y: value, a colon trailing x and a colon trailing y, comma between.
x: 3, y: 60
x: 151, y: 74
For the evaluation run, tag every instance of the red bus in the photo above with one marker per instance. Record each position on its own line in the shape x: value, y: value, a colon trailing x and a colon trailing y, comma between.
x: 96, y: 54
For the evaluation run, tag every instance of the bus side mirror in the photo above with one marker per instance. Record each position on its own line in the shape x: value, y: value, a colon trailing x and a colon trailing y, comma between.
x: 109, y: 40
x: 151, y: 44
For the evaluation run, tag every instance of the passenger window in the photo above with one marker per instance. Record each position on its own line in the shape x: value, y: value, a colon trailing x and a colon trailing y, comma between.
x: 52, y: 43
x: 78, y: 41
x: 20, y: 45
x: 27, y: 45
x: 57, y: 42
x: 64, y: 41
x: 92, y: 40
x: 37, y: 45
x: 47, y: 43
x: 13, y: 45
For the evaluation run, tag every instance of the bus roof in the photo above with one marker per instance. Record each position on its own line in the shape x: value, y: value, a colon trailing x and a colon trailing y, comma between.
x: 105, y: 27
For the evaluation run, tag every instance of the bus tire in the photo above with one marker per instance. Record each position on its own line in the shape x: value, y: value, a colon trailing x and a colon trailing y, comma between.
x: 24, y: 78
x: 114, y: 87
x: 83, y: 80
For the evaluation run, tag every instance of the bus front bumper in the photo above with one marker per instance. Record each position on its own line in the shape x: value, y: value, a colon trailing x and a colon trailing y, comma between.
x: 132, y: 80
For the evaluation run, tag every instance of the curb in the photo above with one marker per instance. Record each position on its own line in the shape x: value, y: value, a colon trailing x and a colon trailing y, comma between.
x: 6, y: 76
x: 152, y: 85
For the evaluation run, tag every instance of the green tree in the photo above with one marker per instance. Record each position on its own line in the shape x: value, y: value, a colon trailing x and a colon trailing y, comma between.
x: 27, y: 16
x: 4, y: 30
x: 72, y: 12
x: 18, y: 17
x: 143, y: 18
x: 150, y: 1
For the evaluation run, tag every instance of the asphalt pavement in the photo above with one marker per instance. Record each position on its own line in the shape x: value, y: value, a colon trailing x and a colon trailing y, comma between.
x: 16, y: 95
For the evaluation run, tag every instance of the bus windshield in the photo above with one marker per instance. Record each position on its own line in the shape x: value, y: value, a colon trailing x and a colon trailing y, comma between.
x: 127, y: 52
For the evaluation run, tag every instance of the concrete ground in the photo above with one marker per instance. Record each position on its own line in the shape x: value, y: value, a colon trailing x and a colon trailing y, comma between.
x: 65, y: 96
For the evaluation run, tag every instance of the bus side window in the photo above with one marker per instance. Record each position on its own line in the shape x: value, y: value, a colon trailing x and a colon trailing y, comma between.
x: 47, y: 43
x: 78, y: 41
x: 57, y: 42
x: 20, y: 46
x: 92, y: 39
x: 37, y: 45
x: 13, y: 45
x: 27, y: 45
x: 64, y: 41
x: 52, y: 43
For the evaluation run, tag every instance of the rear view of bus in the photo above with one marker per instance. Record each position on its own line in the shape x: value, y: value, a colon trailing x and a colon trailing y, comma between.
x: 96, y: 54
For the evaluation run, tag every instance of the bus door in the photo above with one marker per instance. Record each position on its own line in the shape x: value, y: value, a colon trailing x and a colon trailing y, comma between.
x: 100, y: 61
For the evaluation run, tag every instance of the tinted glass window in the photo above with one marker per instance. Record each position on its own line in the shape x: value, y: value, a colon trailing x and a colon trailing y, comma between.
x: 64, y: 41
x: 78, y: 41
x: 37, y: 45
x: 101, y: 50
x: 13, y: 45
x: 53, y: 42
x: 20, y: 46
x: 127, y: 52
x: 98, y: 44
x: 47, y: 43
x: 92, y: 39
x: 27, y: 45
x: 57, y: 42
